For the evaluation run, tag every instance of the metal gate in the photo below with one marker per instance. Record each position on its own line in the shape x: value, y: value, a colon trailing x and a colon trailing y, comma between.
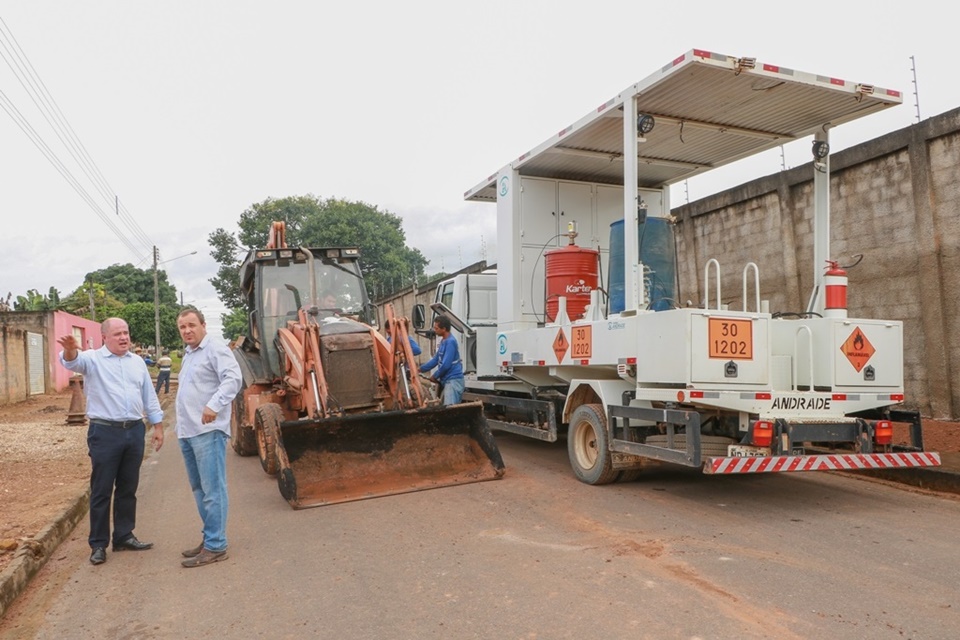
x: 35, y: 363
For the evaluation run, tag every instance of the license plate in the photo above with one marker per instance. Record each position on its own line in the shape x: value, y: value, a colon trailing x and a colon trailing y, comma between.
x: 746, y: 451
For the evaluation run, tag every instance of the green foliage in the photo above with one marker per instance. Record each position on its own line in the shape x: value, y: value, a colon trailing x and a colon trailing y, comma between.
x: 234, y: 323
x: 384, y: 256
x: 140, y: 318
x: 227, y: 251
x: 386, y: 261
x: 105, y: 305
x: 35, y: 301
x: 294, y: 211
x: 129, y: 284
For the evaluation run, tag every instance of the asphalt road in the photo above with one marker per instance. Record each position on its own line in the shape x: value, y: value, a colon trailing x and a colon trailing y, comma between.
x: 535, y: 555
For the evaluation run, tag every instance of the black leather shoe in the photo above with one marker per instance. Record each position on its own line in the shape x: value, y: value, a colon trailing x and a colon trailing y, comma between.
x: 99, y: 555
x: 132, y: 544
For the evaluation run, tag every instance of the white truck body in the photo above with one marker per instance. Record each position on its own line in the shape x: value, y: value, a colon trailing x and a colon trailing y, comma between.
x: 640, y: 383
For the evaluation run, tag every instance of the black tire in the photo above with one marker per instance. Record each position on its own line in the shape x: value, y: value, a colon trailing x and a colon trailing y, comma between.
x: 710, y: 446
x: 629, y: 475
x: 267, y: 426
x: 587, y: 446
x: 242, y: 438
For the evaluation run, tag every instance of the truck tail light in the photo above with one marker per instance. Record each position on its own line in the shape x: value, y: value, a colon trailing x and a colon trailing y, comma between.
x: 762, y: 433
x: 883, y: 432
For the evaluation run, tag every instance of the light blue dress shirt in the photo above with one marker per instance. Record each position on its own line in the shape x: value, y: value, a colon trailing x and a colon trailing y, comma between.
x: 209, y: 377
x: 117, y: 387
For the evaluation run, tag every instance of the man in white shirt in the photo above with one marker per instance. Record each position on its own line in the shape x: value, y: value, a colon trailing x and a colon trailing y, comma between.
x: 208, y: 382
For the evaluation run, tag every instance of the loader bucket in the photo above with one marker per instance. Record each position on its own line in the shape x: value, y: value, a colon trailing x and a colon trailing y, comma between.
x: 380, y: 454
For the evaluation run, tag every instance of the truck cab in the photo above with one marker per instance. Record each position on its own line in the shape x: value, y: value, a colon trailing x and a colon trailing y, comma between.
x: 470, y: 301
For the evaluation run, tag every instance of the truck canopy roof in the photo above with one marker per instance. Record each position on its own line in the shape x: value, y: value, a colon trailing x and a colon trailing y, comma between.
x: 710, y: 109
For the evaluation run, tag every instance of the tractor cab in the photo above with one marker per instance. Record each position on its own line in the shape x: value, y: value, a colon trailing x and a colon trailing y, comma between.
x: 277, y: 283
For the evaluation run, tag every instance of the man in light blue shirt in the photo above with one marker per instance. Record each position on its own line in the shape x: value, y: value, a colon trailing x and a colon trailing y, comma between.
x: 119, y: 391
x: 208, y: 382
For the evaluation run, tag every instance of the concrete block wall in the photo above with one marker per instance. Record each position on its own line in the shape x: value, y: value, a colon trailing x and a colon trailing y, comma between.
x: 14, y: 382
x: 14, y: 378
x: 895, y: 200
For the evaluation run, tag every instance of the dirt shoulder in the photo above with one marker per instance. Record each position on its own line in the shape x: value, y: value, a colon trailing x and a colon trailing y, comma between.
x: 43, y: 467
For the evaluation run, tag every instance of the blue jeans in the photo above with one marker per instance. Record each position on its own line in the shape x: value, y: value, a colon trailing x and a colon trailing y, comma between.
x: 206, y: 459
x: 452, y: 391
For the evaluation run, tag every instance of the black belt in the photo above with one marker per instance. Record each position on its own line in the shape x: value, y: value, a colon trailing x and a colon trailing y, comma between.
x: 122, y: 424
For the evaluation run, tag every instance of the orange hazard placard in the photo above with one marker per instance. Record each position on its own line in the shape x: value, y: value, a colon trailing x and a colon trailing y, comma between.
x: 730, y: 338
x: 582, y: 343
x: 858, y: 349
x: 560, y: 345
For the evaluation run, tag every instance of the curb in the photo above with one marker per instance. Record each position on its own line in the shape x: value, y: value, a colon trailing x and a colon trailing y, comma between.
x: 945, y: 478
x: 35, y: 552
x: 931, y: 479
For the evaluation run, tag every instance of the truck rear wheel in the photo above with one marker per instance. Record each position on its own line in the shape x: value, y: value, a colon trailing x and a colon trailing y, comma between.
x: 587, y: 445
x: 267, y: 426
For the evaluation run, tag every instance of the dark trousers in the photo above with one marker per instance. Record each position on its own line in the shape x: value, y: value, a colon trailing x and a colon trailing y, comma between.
x: 163, y: 378
x: 116, y: 455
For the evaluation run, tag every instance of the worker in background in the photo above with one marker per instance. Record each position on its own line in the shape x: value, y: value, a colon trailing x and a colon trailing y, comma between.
x: 449, y: 373
x: 119, y: 391
x: 163, y: 378
x: 209, y: 380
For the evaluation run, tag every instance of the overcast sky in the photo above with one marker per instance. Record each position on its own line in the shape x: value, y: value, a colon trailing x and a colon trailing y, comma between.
x: 193, y: 110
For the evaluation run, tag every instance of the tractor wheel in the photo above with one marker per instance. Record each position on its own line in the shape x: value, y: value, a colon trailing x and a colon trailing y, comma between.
x: 267, y: 426
x: 243, y: 440
x: 587, y: 445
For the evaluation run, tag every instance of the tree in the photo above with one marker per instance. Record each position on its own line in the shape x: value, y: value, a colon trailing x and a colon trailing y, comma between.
x: 227, y: 252
x: 129, y: 284
x: 234, y: 323
x: 384, y: 256
x: 140, y: 319
x: 385, y: 259
x: 105, y: 305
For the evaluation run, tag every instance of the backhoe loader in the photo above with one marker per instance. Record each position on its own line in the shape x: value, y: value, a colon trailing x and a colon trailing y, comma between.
x: 328, y: 403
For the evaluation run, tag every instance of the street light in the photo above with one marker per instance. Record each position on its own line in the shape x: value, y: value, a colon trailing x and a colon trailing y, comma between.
x: 156, y: 296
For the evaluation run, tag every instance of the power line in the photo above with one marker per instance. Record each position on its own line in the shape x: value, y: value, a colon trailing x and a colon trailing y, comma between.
x: 50, y: 106
x: 38, y: 142
x: 51, y: 112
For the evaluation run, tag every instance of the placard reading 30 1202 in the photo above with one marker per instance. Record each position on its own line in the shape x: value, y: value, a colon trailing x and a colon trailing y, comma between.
x: 730, y: 339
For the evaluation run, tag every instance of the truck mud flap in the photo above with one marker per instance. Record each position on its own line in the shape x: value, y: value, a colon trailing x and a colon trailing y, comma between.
x: 380, y: 454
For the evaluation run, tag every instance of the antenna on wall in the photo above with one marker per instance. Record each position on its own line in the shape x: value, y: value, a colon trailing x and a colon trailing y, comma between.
x: 916, y: 89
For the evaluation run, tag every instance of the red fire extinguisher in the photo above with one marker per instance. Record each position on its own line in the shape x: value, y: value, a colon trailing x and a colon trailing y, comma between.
x: 835, y: 283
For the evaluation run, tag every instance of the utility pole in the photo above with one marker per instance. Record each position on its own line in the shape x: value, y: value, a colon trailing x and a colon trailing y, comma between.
x: 156, y: 303
x: 93, y: 309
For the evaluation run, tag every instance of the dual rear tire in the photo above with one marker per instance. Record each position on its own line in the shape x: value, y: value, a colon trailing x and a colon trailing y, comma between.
x: 587, y: 446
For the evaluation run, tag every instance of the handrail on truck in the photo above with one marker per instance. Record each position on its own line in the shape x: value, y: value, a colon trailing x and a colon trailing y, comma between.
x: 706, y: 283
x: 756, y: 285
